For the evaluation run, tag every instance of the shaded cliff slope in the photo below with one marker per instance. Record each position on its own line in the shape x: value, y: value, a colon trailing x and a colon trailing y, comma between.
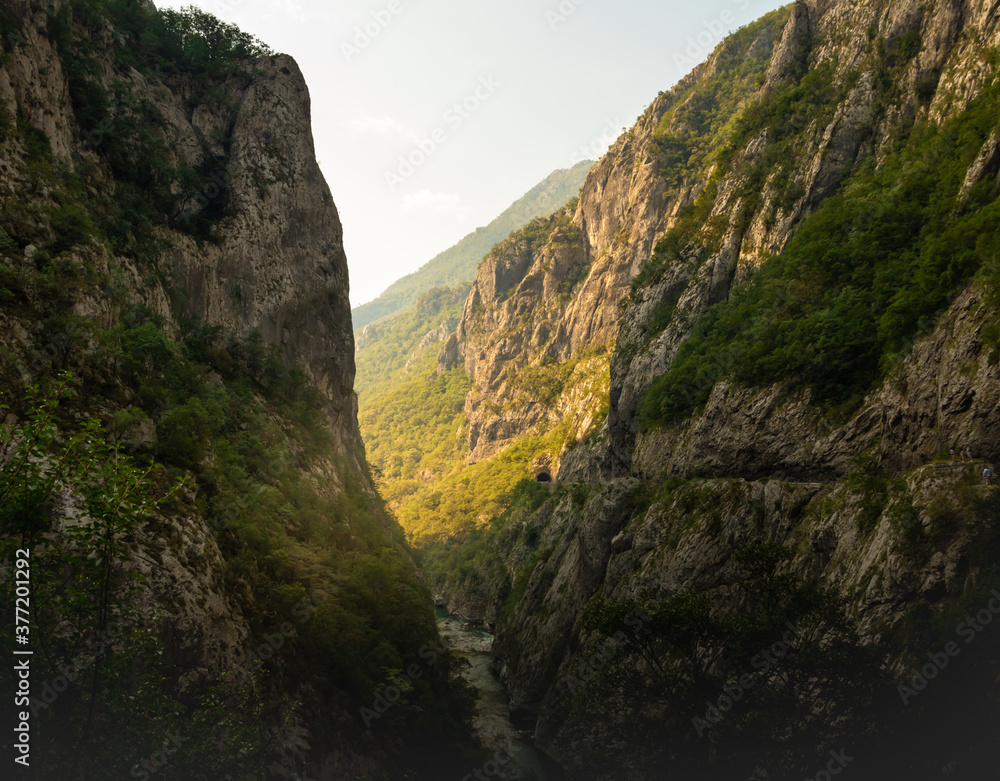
x: 180, y: 450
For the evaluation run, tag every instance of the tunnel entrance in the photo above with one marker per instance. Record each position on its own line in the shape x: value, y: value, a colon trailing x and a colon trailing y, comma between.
x: 544, y: 477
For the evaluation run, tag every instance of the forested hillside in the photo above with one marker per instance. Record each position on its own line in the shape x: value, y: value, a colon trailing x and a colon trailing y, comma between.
x: 681, y: 443
x: 457, y: 265
x: 180, y: 464
x: 787, y: 269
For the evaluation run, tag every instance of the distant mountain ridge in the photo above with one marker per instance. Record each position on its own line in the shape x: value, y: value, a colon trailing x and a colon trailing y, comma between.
x: 459, y: 263
x: 722, y: 387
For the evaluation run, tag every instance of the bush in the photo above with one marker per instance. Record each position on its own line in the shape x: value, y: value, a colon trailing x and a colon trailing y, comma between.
x: 861, y: 278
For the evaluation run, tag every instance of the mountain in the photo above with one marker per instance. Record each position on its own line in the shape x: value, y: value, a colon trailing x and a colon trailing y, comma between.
x: 209, y: 582
x: 458, y: 264
x: 743, y: 356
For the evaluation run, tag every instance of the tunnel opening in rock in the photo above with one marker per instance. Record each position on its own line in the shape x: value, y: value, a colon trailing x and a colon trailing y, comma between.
x: 543, y: 477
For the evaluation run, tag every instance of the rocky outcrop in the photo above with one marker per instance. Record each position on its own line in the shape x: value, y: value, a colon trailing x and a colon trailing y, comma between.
x: 252, y: 256
x: 630, y: 202
x: 277, y: 264
x: 942, y: 395
x: 823, y: 154
x: 512, y: 318
x: 279, y: 267
x: 614, y: 547
x: 852, y: 497
x: 559, y: 295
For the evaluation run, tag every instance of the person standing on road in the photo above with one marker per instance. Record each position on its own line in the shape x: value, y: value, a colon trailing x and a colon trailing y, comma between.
x: 987, y: 475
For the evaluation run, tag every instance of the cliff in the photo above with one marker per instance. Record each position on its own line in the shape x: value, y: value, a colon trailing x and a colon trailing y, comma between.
x: 275, y: 264
x: 788, y: 259
x: 172, y: 253
x: 457, y: 265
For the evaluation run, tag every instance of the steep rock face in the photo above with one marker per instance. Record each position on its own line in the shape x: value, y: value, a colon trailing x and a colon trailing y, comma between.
x: 851, y: 498
x: 687, y: 543
x: 511, y: 317
x: 270, y: 263
x: 458, y: 264
x: 577, y: 539
x: 205, y: 631
x: 549, y: 301
x: 277, y: 265
x: 840, y: 37
x: 280, y: 267
x: 640, y: 190
x: 942, y: 395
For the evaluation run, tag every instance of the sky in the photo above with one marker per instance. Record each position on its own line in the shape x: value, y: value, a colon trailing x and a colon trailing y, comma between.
x: 430, y: 117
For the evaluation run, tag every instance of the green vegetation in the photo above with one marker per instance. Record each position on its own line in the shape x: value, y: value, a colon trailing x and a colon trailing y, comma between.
x: 413, y: 422
x: 673, y: 655
x: 869, y: 482
x: 863, y: 276
x: 480, y: 553
x: 544, y: 384
x: 167, y: 402
x: 706, y: 112
x: 78, y: 583
x: 410, y: 420
x: 459, y: 263
x: 245, y: 430
x: 470, y: 495
x: 461, y: 520
x: 189, y: 42
x: 392, y: 349
x: 152, y: 188
x: 415, y: 427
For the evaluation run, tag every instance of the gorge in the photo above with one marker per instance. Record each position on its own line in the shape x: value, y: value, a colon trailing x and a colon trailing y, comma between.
x: 743, y: 354
x: 740, y: 355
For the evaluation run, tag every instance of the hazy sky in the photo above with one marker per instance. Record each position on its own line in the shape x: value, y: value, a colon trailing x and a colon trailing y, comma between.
x: 486, y: 98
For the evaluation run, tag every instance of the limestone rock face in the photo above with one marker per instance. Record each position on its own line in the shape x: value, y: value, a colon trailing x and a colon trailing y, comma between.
x: 279, y: 267
x: 273, y: 264
x: 754, y: 463
x: 839, y: 35
x: 568, y: 288
x: 510, y: 320
x: 943, y: 394
x: 205, y: 631
x: 556, y: 296
x: 277, y: 264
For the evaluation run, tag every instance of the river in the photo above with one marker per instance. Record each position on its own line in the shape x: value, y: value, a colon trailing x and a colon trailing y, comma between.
x: 514, y: 756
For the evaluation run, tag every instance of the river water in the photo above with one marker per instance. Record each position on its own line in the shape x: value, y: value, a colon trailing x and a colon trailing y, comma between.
x: 513, y: 755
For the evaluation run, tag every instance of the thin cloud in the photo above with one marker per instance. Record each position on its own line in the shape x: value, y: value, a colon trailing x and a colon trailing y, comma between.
x: 429, y: 201
x: 370, y: 125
